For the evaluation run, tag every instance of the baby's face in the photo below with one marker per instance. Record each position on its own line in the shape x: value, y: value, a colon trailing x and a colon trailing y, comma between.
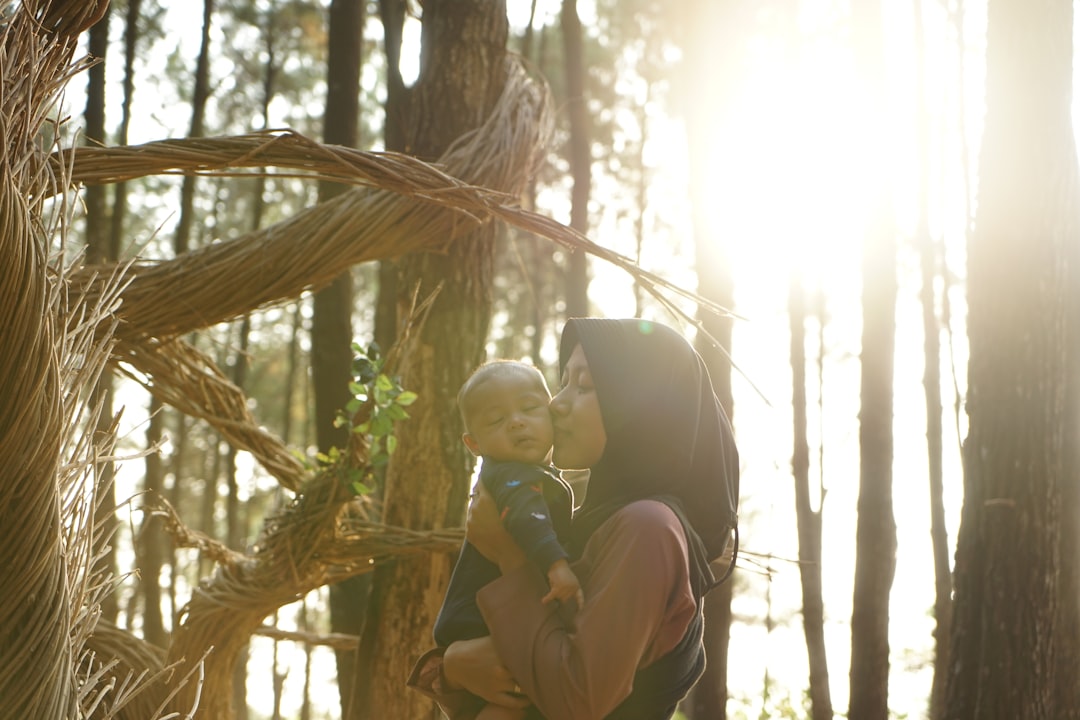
x: 509, y: 419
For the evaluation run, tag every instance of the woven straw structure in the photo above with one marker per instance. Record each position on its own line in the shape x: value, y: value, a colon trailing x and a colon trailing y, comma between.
x: 55, y: 343
x: 60, y: 324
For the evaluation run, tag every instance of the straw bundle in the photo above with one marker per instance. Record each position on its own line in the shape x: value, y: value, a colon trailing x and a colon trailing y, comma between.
x: 178, y: 374
x: 55, y: 344
x: 405, y: 205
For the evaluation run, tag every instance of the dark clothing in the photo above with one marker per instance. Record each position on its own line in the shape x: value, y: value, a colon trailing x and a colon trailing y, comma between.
x: 638, y: 635
x: 660, y: 504
x: 667, y: 435
x: 535, y: 505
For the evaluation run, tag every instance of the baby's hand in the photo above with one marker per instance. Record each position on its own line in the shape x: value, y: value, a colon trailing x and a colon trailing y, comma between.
x: 564, y: 584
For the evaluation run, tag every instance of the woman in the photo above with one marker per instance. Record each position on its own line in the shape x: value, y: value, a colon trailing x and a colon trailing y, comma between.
x: 636, y: 407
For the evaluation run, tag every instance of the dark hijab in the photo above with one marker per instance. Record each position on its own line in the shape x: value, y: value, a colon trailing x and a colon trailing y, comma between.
x: 667, y: 435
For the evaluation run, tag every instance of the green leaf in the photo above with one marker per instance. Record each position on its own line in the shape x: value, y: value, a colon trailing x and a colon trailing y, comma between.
x: 360, y: 488
x: 384, y: 383
x: 357, y: 389
x: 341, y: 421
x: 406, y: 398
x: 381, y: 425
x: 353, y: 405
x: 396, y: 412
x: 391, y: 444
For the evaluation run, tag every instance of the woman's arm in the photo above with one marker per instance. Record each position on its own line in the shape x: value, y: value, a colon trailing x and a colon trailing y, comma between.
x: 638, y: 604
x: 477, y: 664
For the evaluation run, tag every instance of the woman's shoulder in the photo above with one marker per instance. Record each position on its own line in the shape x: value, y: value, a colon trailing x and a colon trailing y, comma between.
x: 648, y: 510
x: 647, y: 520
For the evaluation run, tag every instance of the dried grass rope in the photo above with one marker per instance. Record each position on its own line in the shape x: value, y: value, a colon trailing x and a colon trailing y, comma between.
x: 55, y: 344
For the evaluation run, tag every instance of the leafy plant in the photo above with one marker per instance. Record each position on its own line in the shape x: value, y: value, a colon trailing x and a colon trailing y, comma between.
x: 378, y: 402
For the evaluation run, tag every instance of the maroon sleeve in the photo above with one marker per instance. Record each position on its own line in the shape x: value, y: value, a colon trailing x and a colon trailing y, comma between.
x: 638, y: 604
x: 427, y: 678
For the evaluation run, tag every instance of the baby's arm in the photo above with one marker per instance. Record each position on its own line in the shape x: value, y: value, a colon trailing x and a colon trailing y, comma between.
x: 564, y: 584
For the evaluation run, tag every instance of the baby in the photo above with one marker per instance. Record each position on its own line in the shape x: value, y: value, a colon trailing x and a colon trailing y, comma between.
x: 504, y: 406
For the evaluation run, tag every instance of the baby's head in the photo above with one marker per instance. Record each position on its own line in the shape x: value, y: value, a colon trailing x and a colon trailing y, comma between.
x: 504, y: 405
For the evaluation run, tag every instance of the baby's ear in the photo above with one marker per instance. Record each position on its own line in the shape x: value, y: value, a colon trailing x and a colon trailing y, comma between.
x: 470, y: 442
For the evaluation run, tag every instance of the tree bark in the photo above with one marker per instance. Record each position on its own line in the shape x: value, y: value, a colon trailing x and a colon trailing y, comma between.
x: 1009, y: 639
x: 929, y: 256
x: 331, y: 330
x: 705, y: 109
x: 875, y: 550
x: 577, y: 267
x: 462, y: 73
x: 808, y: 521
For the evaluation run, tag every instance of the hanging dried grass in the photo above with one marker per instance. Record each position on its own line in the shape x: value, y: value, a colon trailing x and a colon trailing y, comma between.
x: 323, y: 536
x: 177, y: 373
x: 405, y: 205
x: 55, y: 343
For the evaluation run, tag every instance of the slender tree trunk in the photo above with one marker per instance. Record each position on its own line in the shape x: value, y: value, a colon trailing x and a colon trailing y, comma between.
x: 199, y: 96
x: 152, y: 540
x: 392, y: 13
x: 807, y: 519
x: 131, y: 41
x: 331, y: 333
x: 709, y: 41
x: 1012, y: 648
x: 462, y: 73
x: 235, y: 534
x: 577, y: 270
x: 875, y: 551
x: 1065, y: 685
x: 929, y: 260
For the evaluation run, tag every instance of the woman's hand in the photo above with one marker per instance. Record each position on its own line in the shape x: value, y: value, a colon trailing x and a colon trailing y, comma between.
x: 485, y: 531
x: 475, y: 666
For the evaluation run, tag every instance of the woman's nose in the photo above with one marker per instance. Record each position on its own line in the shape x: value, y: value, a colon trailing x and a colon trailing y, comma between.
x: 557, y: 406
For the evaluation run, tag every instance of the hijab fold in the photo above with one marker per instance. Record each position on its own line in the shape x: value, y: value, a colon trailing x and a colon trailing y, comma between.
x: 668, y: 437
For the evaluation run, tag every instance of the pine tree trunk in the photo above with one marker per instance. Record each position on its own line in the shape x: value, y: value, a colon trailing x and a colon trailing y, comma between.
x: 875, y: 551
x: 808, y: 521
x: 710, y: 38
x: 1010, y: 643
x: 577, y: 271
x: 461, y: 76
x: 331, y: 333
x: 929, y: 261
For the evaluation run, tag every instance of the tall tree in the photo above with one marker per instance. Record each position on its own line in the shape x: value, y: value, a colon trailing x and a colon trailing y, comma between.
x: 331, y: 329
x: 462, y: 73
x: 131, y: 43
x: 154, y: 544
x: 807, y: 520
x: 929, y: 257
x: 580, y: 154
x: 708, y: 33
x: 392, y: 13
x: 1010, y: 644
x: 875, y: 543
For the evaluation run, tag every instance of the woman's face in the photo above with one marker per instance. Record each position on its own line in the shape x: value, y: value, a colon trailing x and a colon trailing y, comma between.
x: 575, y: 413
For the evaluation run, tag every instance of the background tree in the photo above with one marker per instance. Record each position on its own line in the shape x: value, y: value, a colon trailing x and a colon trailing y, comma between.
x: 460, y: 80
x: 1008, y: 558
x: 876, y: 534
x: 331, y: 329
